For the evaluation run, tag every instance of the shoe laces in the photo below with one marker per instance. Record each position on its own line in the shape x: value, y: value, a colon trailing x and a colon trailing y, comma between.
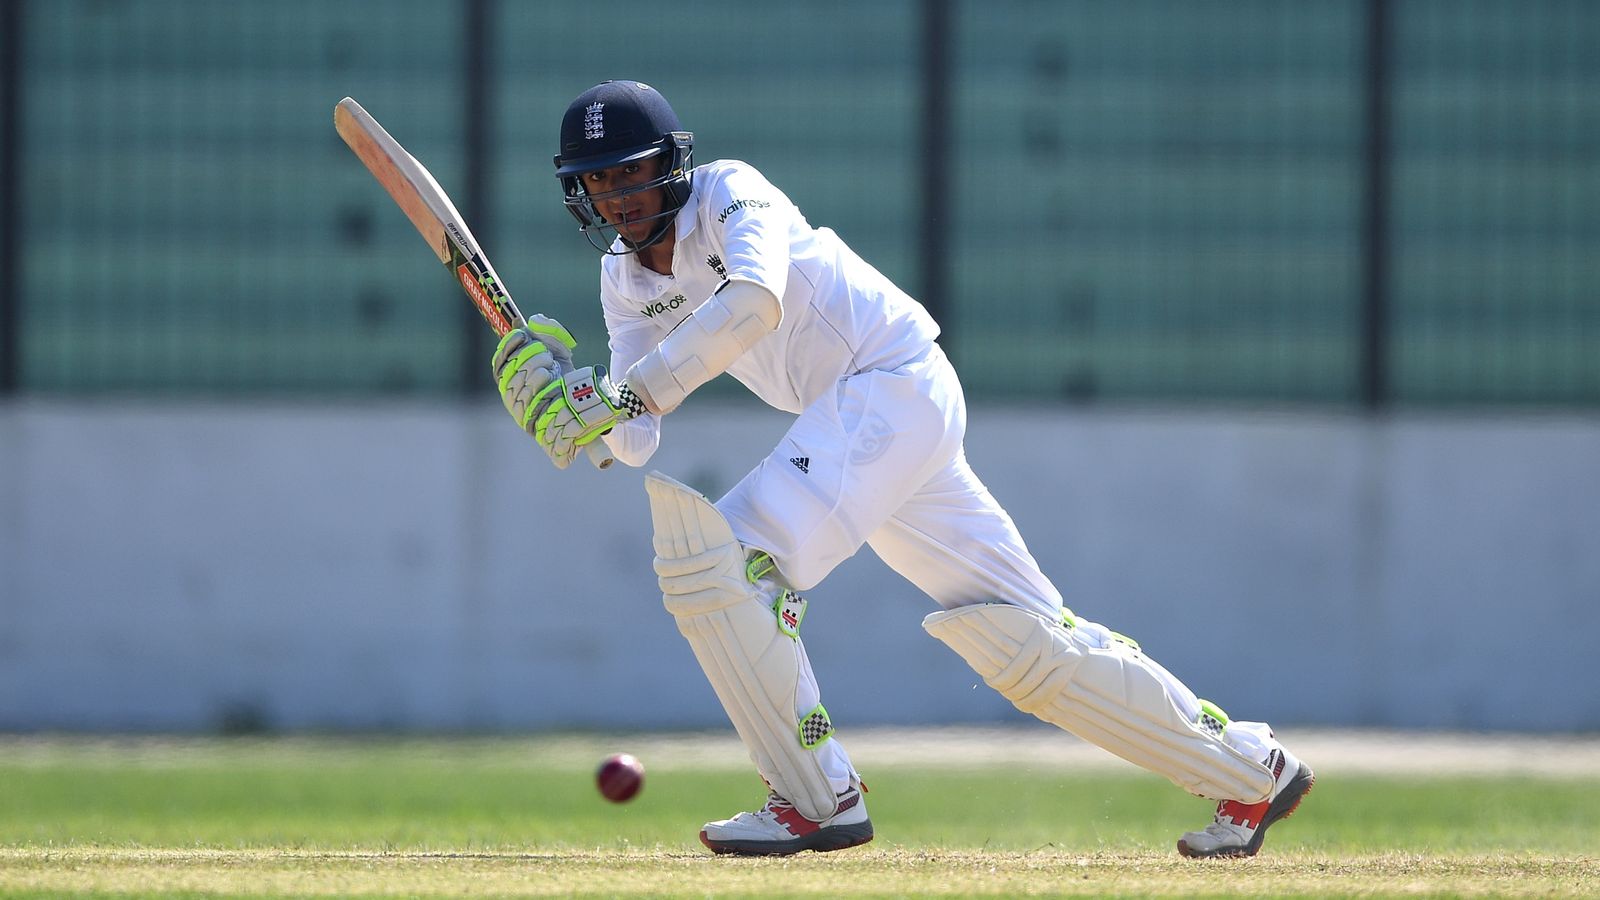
x: 775, y: 805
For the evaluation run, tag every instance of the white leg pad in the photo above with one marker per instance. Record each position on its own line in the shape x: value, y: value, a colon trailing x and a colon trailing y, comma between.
x: 756, y: 668
x: 1105, y: 692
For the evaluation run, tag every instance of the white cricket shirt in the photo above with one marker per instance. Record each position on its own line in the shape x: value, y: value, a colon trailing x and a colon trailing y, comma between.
x: 840, y: 315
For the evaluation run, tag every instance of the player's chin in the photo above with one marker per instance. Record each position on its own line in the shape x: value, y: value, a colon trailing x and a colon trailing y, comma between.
x: 634, y: 232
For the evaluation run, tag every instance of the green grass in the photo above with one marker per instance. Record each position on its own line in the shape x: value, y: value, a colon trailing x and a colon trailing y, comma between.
x: 519, y: 818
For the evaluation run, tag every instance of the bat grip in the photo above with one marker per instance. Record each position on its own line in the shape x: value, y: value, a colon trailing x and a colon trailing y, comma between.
x: 598, y: 454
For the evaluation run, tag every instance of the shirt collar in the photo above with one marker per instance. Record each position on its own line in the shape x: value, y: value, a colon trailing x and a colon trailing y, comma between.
x: 687, y: 218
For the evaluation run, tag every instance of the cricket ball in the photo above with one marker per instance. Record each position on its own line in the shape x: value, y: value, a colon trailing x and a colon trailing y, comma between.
x: 620, y: 777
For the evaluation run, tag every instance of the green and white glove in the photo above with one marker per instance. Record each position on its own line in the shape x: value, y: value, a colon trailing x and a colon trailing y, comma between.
x: 526, y: 361
x: 573, y: 410
x: 556, y: 338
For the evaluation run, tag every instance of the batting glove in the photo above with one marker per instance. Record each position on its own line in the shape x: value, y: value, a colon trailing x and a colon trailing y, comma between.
x: 523, y: 365
x: 556, y: 338
x: 576, y: 408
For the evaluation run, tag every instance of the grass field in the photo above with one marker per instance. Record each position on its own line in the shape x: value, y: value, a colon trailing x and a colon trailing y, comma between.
x: 447, y: 818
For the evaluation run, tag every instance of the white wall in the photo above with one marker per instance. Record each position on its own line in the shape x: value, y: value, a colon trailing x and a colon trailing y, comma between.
x: 360, y: 566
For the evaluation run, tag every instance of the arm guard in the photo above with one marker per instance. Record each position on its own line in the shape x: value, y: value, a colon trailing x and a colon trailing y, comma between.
x: 704, y: 345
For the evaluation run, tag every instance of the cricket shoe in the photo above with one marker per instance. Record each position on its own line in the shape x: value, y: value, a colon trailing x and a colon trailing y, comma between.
x: 778, y: 829
x: 1238, y: 827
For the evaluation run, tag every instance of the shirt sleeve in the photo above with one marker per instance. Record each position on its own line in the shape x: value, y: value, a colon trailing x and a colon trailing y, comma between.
x: 752, y: 220
x: 635, y: 441
x: 630, y: 337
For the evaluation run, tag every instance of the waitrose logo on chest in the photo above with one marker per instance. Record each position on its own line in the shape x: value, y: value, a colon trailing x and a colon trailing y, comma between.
x: 661, y: 306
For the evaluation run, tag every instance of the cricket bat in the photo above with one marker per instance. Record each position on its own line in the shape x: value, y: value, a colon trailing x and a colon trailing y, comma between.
x: 435, y: 217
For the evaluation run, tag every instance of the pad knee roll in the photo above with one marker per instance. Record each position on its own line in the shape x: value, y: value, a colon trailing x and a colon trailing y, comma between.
x: 750, y: 652
x: 1107, y: 693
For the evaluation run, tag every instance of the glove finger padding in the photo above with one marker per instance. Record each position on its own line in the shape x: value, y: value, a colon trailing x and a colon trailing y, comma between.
x: 523, y: 366
x: 556, y: 338
x: 520, y: 390
x: 511, y: 344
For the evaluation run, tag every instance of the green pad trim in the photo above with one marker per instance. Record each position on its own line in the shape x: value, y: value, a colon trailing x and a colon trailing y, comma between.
x: 759, y: 566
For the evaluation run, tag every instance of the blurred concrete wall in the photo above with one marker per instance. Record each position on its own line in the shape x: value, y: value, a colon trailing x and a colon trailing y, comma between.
x: 412, y: 567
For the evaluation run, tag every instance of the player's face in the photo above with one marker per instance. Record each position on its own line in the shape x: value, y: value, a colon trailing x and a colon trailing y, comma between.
x: 629, y: 212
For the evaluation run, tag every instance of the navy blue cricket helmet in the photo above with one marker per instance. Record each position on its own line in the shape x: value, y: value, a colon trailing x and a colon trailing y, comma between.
x: 612, y: 124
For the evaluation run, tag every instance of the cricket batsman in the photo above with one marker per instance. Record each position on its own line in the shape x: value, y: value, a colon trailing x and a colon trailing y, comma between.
x: 710, y: 269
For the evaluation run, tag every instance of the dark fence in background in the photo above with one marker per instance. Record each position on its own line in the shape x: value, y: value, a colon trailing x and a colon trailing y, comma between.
x: 1349, y: 201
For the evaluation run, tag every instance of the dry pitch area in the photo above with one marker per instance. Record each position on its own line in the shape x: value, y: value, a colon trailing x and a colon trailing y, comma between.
x: 859, y: 873
x: 1030, y: 813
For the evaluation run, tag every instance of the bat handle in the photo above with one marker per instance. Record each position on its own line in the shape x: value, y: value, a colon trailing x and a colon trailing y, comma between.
x: 598, y: 454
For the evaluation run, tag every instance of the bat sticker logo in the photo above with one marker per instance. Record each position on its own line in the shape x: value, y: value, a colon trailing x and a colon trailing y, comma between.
x: 790, y: 609
x: 480, y: 299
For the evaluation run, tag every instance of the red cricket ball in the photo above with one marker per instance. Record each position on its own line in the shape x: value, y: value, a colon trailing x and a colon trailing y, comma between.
x: 620, y: 777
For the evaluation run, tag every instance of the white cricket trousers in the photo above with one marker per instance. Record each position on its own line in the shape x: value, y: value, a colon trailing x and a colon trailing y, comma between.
x: 879, y: 460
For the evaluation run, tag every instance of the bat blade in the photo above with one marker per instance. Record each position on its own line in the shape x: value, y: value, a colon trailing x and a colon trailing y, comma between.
x: 413, y: 188
x: 407, y: 181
